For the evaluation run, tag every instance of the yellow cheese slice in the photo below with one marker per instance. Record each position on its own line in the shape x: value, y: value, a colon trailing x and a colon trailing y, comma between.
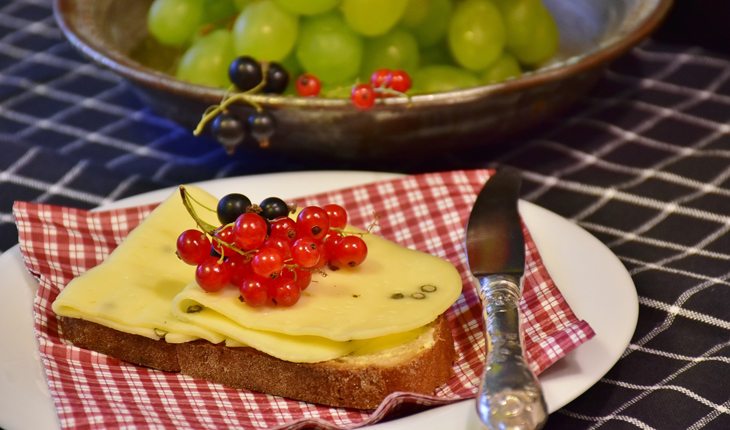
x: 394, y: 290
x: 132, y: 289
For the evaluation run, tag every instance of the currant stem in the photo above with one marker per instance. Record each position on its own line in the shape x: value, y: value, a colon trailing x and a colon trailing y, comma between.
x: 187, y: 200
x: 208, y: 229
x: 244, y: 97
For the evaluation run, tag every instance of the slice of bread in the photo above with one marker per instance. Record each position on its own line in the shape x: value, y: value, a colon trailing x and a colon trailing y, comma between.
x: 353, y: 381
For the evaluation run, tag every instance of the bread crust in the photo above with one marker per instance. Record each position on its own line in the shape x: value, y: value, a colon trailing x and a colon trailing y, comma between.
x: 360, y: 384
x: 133, y: 348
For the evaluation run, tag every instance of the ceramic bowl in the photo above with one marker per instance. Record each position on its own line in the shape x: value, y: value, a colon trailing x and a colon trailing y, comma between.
x: 592, y: 34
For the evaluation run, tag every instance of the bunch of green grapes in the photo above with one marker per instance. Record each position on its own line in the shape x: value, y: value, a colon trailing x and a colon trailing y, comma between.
x: 442, y: 44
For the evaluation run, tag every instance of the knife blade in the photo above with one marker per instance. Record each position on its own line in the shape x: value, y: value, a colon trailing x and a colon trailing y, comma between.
x: 510, y: 396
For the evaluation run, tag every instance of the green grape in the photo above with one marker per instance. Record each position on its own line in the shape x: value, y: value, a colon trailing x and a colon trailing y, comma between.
x: 307, y: 7
x: 206, y: 61
x: 532, y: 34
x: 504, y: 68
x: 265, y: 32
x: 216, y: 11
x: 329, y: 48
x: 373, y: 17
x: 174, y: 22
x: 241, y: 4
x: 416, y: 11
x: 397, y: 49
x: 439, y: 78
x: 433, y: 26
x: 476, y: 34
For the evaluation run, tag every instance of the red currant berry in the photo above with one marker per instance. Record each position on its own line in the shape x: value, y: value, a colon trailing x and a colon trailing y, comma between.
x: 239, y: 267
x: 313, y: 221
x: 350, y: 251
x: 301, y: 277
x: 284, y: 292
x: 400, y: 81
x: 327, y: 247
x: 267, y: 262
x: 308, y: 85
x: 337, y: 215
x: 212, y: 275
x: 254, y: 291
x: 284, y: 227
x: 305, y: 252
x: 193, y: 246
x: 363, y: 96
x: 225, y: 235
x: 250, y: 231
x: 381, y: 78
x: 282, y: 246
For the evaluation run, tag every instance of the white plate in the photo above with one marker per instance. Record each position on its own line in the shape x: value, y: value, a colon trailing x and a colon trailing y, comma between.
x: 593, y: 281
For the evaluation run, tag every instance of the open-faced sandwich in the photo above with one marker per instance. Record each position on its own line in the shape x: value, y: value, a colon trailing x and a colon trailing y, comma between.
x: 337, y: 326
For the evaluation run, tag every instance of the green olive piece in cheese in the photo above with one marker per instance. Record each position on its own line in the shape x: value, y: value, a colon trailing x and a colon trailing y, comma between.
x: 132, y: 289
x: 394, y: 290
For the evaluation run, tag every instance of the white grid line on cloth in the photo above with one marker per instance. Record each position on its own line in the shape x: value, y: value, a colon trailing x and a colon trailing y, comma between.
x: 709, y: 93
x: 678, y: 357
x: 647, y: 265
x: 691, y: 55
x: 670, y: 317
x: 79, y: 133
x: 134, y: 149
x: 625, y: 418
x: 629, y: 236
x: 638, y: 200
x: 711, y: 416
x: 48, y: 58
x: 651, y: 389
x: 35, y: 27
x: 675, y: 310
x: 663, y: 112
x: 40, y: 89
x: 120, y: 189
x: 646, y: 173
x: 690, y: 250
x: 61, y: 183
x: 622, y: 137
x: 671, y: 206
x: 36, y: 184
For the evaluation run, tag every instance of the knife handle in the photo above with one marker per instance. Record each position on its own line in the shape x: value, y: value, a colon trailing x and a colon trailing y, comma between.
x: 510, y: 396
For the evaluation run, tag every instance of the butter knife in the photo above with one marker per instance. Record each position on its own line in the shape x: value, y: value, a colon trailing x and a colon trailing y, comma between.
x: 510, y: 396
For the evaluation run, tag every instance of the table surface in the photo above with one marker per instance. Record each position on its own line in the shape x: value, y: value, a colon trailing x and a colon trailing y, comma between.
x: 642, y: 163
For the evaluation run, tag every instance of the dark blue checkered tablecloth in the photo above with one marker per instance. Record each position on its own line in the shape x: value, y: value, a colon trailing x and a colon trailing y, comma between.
x: 643, y: 163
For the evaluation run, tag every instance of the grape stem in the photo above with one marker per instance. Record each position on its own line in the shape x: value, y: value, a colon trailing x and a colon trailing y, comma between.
x: 244, y: 97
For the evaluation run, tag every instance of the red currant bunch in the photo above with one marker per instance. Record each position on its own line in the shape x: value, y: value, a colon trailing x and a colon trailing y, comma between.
x: 263, y: 252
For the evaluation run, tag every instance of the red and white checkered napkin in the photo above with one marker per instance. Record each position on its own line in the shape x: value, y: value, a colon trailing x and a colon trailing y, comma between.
x: 427, y: 212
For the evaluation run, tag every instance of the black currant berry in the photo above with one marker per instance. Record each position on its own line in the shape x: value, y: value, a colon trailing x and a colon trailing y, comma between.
x: 273, y: 207
x: 277, y: 78
x: 245, y: 73
x: 228, y: 130
x: 231, y: 206
x: 262, y: 126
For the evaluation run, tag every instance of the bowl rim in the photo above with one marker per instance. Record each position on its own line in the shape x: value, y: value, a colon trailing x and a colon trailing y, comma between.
x: 141, y: 74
